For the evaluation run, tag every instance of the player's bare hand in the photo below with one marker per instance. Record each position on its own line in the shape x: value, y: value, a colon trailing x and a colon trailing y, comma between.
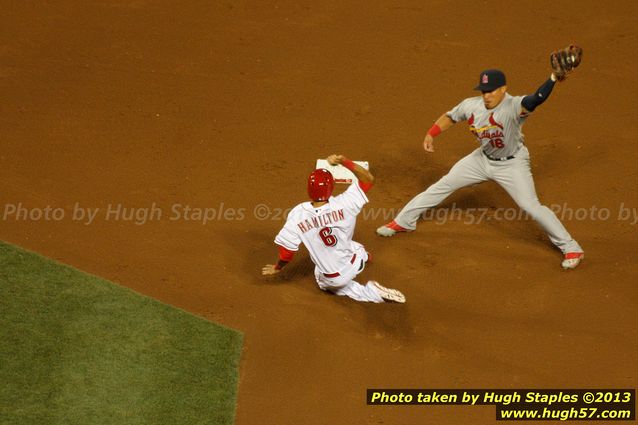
x: 428, y: 143
x: 335, y: 159
x: 269, y: 270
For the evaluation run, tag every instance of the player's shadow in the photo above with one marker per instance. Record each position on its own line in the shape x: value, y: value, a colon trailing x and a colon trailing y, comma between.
x: 256, y: 249
x: 301, y: 267
x: 387, y: 320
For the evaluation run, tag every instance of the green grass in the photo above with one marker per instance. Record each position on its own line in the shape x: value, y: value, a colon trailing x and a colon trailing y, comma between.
x: 76, y: 349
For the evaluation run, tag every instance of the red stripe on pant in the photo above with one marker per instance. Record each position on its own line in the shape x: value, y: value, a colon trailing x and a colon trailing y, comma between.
x: 352, y: 260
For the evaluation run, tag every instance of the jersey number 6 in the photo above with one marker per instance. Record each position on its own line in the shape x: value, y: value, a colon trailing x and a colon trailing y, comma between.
x: 327, y: 237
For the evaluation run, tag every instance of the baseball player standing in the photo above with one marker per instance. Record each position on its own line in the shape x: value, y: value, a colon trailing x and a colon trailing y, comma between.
x: 325, y: 225
x: 495, y: 118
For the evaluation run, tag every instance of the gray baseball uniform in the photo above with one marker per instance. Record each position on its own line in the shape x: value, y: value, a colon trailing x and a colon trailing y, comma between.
x: 502, y: 157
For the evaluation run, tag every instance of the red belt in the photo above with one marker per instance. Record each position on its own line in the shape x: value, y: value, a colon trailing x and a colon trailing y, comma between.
x: 352, y: 260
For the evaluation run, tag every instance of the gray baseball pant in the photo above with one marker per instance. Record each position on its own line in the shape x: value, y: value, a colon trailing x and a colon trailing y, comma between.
x: 514, y: 175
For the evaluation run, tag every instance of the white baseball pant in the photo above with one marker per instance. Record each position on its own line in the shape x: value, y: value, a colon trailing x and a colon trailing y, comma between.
x: 345, y: 285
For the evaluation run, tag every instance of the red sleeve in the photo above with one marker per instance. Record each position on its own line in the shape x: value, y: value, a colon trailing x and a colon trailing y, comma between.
x: 350, y: 166
x: 365, y: 186
x: 285, y: 254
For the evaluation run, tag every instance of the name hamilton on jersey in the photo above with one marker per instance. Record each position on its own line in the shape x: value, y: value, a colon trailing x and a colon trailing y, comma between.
x: 321, y: 221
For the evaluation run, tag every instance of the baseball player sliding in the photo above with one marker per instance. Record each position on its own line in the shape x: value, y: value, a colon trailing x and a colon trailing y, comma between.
x: 495, y: 118
x: 325, y: 225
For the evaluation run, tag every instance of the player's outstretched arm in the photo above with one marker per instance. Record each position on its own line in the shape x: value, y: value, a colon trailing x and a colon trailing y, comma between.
x: 443, y: 123
x: 285, y: 256
x: 532, y: 101
x: 363, y: 175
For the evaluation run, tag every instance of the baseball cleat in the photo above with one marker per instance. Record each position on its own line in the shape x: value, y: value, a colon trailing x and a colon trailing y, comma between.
x: 387, y: 293
x: 572, y: 260
x: 390, y: 229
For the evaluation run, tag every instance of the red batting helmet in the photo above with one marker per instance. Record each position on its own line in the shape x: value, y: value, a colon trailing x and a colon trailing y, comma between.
x: 320, y: 184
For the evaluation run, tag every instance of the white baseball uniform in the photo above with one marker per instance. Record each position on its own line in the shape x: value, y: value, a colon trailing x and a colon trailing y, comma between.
x: 327, y: 232
x: 502, y: 157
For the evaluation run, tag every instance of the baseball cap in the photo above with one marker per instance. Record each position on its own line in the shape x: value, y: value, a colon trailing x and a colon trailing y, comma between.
x: 490, y: 80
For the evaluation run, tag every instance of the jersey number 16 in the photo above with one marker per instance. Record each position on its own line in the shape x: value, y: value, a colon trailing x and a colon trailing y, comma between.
x: 497, y: 143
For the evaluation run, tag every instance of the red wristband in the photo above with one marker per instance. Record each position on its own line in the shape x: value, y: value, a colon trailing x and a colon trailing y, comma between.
x: 365, y: 186
x: 434, y: 131
x: 285, y: 254
x: 348, y: 164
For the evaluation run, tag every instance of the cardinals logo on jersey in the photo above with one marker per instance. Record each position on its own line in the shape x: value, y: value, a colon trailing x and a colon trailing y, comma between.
x: 493, y: 132
x: 493, y: 122
x: 485, y: 131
